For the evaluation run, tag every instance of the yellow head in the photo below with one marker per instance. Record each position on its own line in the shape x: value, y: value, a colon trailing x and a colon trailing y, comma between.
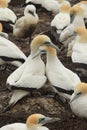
x: 48, y: 49
x: 65, y: 8
x: 1, y: 27
x: 82, y: 32
x: 39, y: 41
x: 38, y: 120
x: 81, y: 88
x: 77, y: 10
x: 34, y: 119
x: 3, y: 3
x: 83, y: 2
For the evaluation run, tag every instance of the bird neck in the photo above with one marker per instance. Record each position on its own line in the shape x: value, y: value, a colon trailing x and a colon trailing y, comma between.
x: 78, y: 20
x: 60, y: 1
x: 65, y: 11
x: 34, y: 50
x: 33, y: 127
x: 83, y: 38
x: 52, y: 58
x: 31, y: 19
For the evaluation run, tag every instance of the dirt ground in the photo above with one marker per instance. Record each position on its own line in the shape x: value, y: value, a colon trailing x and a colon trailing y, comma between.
x: 45, y: 105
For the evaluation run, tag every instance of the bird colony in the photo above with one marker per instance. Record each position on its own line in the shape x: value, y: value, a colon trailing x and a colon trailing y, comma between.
x: 66, y: 37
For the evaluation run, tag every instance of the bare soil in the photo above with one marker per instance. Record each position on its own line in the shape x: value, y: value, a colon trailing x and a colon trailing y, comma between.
x: 45, y: 105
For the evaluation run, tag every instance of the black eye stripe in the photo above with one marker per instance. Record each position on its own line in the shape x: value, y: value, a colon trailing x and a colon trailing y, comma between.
x: 79, y: 93
x: 41, y: 119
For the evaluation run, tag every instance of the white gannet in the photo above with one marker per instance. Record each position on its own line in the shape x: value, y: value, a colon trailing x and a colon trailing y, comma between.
x: 10, y: 53
x: 61, y: 2
x: 7, y: 16
x: 33, y: 122
x: 50, y: 5
x: 83, y: 5
x: 67, y: 35
x: 5, y: 35
x: 25, y: 26
x: 78, y: 102
x: 79, y: 50
x: 60, y: 21
x: 31, y: 75
x: 58, y: 75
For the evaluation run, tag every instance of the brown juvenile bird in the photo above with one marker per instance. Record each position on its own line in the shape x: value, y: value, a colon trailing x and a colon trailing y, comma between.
x: 25, y: 26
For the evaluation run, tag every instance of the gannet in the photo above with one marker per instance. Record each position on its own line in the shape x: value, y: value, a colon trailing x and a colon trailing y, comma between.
x: 67, y: 35
x: 50, y: 5
x: 61, y: 20
x: 33, y: 122
x: 61, y: 2
x: 31, y: 75
x: 78, y: 102
x: 79, y: 50
x: 7, y: 16
x: 25, y: 25
x: 83, y: 5
x: 10, y: 53
x: 58, y: 75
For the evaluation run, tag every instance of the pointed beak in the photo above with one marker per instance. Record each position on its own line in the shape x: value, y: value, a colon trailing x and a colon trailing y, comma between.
x: 39, y: 52
x: 50, y: 120
x: 53, y: 45
x: 73, y: 97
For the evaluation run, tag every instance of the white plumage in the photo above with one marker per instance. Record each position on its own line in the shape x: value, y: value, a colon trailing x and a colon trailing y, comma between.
x: 25, y: 25
x: 7, y: 15
x: 67, y: 35
x: 83, y: 5
x: 62, y: 19
x: 79, y: 50
x: 10, y: 53
x: 61, y: 2
x: 50, y: 5
x: 58, y: 75
x: 78, y: 101
x: 31, y: 74
x: 34, y: 1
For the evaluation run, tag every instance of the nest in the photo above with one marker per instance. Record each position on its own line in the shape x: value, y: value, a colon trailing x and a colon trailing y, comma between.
x: 17, y: 2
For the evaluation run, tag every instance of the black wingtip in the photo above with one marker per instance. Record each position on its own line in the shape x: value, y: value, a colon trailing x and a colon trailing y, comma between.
x: 24, y: 5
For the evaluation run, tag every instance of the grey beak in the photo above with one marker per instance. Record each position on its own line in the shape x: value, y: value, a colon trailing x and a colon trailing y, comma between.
x: 50, y: 120
x: 39, y: 52
x: 53, y: 45
x: 73, y: 97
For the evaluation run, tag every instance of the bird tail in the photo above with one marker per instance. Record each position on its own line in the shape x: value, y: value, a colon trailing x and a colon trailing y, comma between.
x: 16, y: 96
